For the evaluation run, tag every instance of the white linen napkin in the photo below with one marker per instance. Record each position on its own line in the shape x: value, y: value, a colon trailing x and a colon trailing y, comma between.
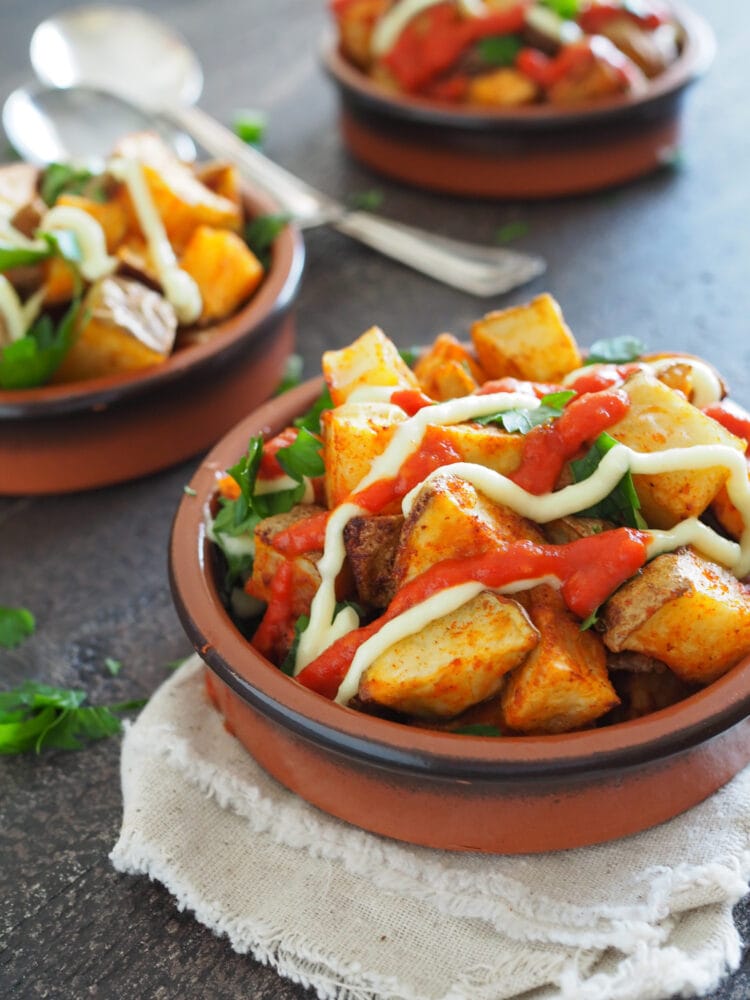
x: 359, y: 917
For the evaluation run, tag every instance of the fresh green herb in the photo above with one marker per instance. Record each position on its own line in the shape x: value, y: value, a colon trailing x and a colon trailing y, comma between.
x: 567, y: 9
x: 261, y: 232
x: 250, y: 126
x: 589, y: 622
x: 310, y: 421
x: 61, y: 178
x: 287, y: 665
x: 63, y: 243
x: 13, y: 256
x: 292, y: 374
x: 113, y: 666
x: 478, y: 729
x: 616, y: 351
x: 521, y: 421
x: 37, y: 716
x: 189, y: 491
x: 366, y: 201
x: 622, y: 506
x: 58, y: 243
x: 511, y: 231
x: 499, y: 50
x: 32, y: 360
x: 16, y: 624
x: 302, y: 457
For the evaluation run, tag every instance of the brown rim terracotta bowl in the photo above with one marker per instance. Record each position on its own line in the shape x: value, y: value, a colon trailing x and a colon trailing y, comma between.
x: 63, y: 438
x: 532, y: 152
x: 469, y: 793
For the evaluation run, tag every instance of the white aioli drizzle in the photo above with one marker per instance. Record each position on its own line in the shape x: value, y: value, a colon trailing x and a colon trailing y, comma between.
x: 16, y: 318
x: 95, y: 262
x: 404, y: 442
x: 707, y: 387
x: 179, y: 287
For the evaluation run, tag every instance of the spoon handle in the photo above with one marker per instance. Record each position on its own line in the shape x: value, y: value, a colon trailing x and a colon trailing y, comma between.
x: 470, y: 267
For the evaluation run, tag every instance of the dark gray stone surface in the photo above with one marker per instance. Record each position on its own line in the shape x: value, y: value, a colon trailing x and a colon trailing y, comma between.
x: 666, y: 259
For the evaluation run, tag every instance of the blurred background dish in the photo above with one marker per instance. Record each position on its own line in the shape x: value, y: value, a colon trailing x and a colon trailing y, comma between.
x: 531, y: 150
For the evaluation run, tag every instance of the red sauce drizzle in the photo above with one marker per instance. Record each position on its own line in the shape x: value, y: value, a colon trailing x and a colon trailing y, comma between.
x: 590, y: 569
x: 272, y: 632
x: 269, y: 467
x: 732, y: 417
x: 307, y: 535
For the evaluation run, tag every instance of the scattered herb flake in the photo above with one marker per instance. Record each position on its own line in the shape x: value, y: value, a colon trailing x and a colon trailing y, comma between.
x: 615, y: 351
x: 511, y: 231
x: 366, y: 201
x: 499, y: 50
x: 16, y: 624
x: 410, y: 355
x: 287, y: 665
x: 189, y: 491
x: 250, y: 126
x: 175, y: 664
x: 589, y: 622
x: 113, y: 666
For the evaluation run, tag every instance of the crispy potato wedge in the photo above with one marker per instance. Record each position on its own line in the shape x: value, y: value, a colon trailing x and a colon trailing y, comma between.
x: 452, y: 520
x: 371, y: 544
x: 658, y: 419
x: 124, y: 327
x: 110, y: 215
x: 353, y: 437
x: 563, y: 684
x: 529, y: 342
x: 681, y: 609
x: 223, y: 179
x: 454, y: 662
x: 225, y: 269
x: 372, y: 360
x: 726, y: 513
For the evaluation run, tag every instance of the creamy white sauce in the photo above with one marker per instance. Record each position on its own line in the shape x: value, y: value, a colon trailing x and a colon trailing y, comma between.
x: 372, y: 394
x: 707, y: 387
x: 178, y: 286
x: 405, y: 441
x: 95, y: 262
x: 11, y: 310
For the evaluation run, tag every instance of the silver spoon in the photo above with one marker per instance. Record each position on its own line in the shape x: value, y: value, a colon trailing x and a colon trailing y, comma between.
x: 132, y: 54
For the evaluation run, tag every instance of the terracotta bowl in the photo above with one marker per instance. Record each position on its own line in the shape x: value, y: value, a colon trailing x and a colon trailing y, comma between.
x: 62, y: 438
x: 531, y: 152
x: 468, y: 793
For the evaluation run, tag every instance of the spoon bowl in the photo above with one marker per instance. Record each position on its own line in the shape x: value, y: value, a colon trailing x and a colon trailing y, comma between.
x: 79, y: 124
x: 121, y: 49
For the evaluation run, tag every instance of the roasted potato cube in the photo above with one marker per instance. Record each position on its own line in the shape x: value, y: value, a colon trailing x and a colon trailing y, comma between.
x: 681, y: 609
x: 490, y: 446
x: 180, y: 199
x: 658, y: 419
x: 596, y: 72
x: 306, y: 578
x: 356, y: 21
x: 526, y: 342
x: 651, y: 51
x: 563, y: 684
x: 123, y: 327
x: 447, y: 370
x: 223, y: 179
x: 110, y: 215
x: 59, y: 279
x: 454, y: 662
x: 225, y: 269
x: 370, y: 548
x: 452, y: 520
x: 372, y: 360
x: 727, y: 514
x: 505, y: 88
x: 353, y: 437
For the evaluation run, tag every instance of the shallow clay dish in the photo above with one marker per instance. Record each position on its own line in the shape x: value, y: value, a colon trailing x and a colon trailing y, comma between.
x: 507, y: 795
x: 62, y: 438
x: 531, y: 152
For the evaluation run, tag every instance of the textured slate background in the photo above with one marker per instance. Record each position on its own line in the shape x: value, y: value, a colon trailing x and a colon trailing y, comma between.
x: 666, y: 259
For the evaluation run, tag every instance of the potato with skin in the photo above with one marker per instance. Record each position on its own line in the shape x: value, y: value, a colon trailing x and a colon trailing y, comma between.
x: 684, y: 610
x: 450, y: 519
x: 454, y: 662
x: 659, y: 419
x: 122, y: 327
x: 563, y: 684
x: 371, y: 544
x: 530, y: 342
x: 372, y: 360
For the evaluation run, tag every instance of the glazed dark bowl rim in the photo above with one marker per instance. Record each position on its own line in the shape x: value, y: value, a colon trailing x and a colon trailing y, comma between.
x: 389, y: 745
x: 229, y: 339
x: 697, y: 53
